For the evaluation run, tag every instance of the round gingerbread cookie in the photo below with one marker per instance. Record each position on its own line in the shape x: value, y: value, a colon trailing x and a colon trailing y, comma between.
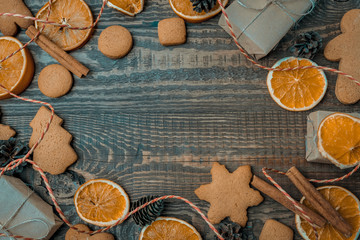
x: 115, y: 42
x: 55, y: 81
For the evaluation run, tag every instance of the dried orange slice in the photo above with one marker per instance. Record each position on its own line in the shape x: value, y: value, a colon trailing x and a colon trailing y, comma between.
x: 16, y: 73
x: 75, y: 13
x: 296, y: 90
x: 101, y: 202
x: 345, y: 203
x: 184, y: 9
x: 128, y: 7
x: 169, y: 228
x: 339, y: 139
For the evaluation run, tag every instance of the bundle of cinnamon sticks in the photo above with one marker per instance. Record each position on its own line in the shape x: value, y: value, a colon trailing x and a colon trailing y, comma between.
x: 326, y: 213
x: 58, y: 53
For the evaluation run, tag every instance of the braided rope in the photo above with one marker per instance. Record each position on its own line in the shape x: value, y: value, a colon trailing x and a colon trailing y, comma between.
x: 337, y: 179
x: 303, y: 213
x: 48, y: 22
x: 16, y: 163
x: 227, y: 22
x: 277, y: 69
x: 32, y: 39
x: 63, y: 217
x: 68, y: 26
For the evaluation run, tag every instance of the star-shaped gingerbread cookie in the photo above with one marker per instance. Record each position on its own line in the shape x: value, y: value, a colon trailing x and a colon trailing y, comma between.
x: 346, y: 49
x: 229, y: 194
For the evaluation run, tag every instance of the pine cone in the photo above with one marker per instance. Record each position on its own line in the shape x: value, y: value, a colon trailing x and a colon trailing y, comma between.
x: 230, y: 231
x: 11, y: 150
x: 203, y: 5
x: 148, y: 214
x: 247, y: 232
x: 306, y: 44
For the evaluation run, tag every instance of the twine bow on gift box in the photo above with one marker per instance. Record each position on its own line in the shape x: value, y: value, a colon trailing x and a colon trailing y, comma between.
x: 6, y: 230
x: 259, y: 25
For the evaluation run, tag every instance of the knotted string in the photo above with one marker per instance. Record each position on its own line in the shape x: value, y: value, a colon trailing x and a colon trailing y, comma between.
x: 8, y: 234
x: 303, y: 213
x: 4, y: 225
x: 17, y: 162
x: 48, y: 22
x: 277, y: 3
x: 254, y: 62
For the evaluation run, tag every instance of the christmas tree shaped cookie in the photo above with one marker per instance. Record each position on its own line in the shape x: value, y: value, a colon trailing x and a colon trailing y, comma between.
x: 54, y: 154
x: 346, y: 49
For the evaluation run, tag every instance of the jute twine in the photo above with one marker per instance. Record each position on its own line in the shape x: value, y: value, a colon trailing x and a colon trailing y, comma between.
x: 16, y: 163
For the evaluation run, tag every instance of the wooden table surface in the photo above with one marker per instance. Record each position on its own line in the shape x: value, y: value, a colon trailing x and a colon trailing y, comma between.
x: 156, y: 120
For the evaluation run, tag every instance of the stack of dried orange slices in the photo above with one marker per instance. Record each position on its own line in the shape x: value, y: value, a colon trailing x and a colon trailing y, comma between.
x: 296, y: 90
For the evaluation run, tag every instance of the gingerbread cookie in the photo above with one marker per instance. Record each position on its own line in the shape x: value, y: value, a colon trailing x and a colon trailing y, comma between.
x: 274, y: 230
x: 8, y: 24
x: 172, y: 31
x: 229, y: 194
x: 115, y: 42
x: 72, y: 234
x: 55, y: 81
x: 6, y: 132
x: 346, y: 49
x: 54, y: 154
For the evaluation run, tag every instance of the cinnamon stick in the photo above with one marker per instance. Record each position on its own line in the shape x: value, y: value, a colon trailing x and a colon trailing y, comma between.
x: 275, y: 194
x: 319, y: 202
x: 58, y: 53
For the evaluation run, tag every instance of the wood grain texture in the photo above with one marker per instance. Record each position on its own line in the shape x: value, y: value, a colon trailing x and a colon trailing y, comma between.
x: 156, y: 120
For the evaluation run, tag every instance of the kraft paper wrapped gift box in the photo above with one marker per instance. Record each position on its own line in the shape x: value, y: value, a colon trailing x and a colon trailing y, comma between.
x: 24, y: 213
x: 259, y: 25
x: 313, y: 121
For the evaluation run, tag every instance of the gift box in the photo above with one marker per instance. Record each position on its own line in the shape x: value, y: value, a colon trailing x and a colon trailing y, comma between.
x: 24, y: 213
x: 260, y: 24
x: 313, y: 121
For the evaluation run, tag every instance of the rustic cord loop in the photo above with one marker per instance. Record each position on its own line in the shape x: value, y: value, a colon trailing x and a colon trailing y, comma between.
x: 16, y: 163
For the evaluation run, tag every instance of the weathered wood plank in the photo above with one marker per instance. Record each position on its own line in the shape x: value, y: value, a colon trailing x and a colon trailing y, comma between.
x: 155, y: 120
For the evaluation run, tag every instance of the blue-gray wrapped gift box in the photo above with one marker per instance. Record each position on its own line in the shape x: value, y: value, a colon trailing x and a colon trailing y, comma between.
x: 24, y: 213
x: 260, y: 24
